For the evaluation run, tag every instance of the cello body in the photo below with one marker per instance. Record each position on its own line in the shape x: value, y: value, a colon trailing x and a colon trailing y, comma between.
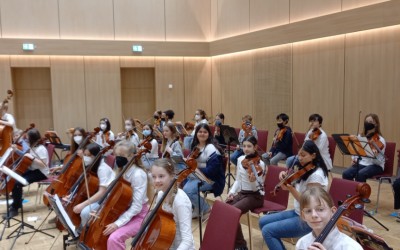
x: 6, y: 135
x: 117, y: 202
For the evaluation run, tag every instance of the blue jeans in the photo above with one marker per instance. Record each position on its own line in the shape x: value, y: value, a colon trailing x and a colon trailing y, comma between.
x: 147, y: 162
x: 191, y: 190
x: 187, y: 141
x: 273, y: 160
x: 85, y: 213
x: 292, y: 161
x: 286, y: 224
x: 364, y: 172
x: 235, y: 155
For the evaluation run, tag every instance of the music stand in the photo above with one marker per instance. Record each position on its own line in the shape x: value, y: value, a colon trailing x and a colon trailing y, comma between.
x: 369, y: 240
x: 230, y: 136
x: 354, y: 146
x: 20, y: 229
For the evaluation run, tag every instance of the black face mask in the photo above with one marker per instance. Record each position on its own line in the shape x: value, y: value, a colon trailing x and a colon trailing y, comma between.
x: 280, y: 125
x: 368, y: 126
x: 156, y: 117
x: 121, y: 161
x: 163, y: 119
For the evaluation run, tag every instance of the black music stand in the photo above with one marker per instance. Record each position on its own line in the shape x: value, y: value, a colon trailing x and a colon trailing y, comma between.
x: 19, y: 231
x: 353, y: 146
x: 230, y: 136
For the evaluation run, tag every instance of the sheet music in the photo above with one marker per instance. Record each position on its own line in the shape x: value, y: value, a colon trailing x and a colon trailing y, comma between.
x: 14, y: 175
x: 64, y: 215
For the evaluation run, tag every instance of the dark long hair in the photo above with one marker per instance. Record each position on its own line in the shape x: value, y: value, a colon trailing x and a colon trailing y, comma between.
x: 94, y: 150
x: 74, y: 145
x: 33, y: 137
x: 310, y: 147
x: 210, y: 139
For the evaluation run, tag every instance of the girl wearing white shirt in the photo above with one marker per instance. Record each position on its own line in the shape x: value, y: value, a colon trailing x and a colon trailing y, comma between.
x: 129, y: 133
x: 177, y: 203
x: 200, y: 117
x: 246, y: 192
x: 105, y: 174
x: 6, y: 118
x: 105, y: 133
x: 149, y: 158
x: 317, y: 209
x: 288, y: 224
x: 37, y: 171
x: 128, y: 224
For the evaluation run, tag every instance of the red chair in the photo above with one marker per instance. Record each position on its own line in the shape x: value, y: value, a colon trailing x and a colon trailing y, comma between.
x: 50, y: 151
x: 388, y: 170
x: 297, y: 138
x: 212, y: 128
x: 110, y: 159
x: 186, y: 152
x: 332, y: 147
x: 262, y: 140
x: 221, y: 229
x: 339, y: 190
x: 272, y: 203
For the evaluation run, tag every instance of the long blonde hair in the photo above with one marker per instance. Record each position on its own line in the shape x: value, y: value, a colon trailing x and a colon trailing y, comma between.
x: 131, y: 149
x: 169, y: 167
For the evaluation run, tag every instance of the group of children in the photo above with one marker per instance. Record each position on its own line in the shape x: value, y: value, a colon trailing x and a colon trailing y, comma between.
x: 312, y: 205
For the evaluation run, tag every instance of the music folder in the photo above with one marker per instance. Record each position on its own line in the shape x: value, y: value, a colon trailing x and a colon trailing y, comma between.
x: 62, y: 215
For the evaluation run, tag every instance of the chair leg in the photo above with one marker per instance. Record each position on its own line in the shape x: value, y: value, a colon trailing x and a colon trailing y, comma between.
x: 249, y: 225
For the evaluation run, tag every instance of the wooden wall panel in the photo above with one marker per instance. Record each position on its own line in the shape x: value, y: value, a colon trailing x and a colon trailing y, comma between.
x: 268, y: 13
x: 306, y: 9
x: 139, y: 20
x: 169, y: 70
x: 233, y: 18
x: 89, y: 19
x: 6, y: 81
x: 236, y: 76
x: 372, y: 80
x: 351, y: 4
x: 197, y: 73
x: 32, y: 96
x: 33, y: 19
x: 138, y: 93
x: 272, y: 86
x: 137, y: 62
x: 216, y: 96
x: 68, y: 93
x: 318, y: 84
x: 103, y: 91
x: 188, y: 20
x: 29, y: 61
x: 214, y: 20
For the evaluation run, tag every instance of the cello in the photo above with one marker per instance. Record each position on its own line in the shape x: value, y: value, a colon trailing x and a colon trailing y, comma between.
x: 78, y: 192
x: 158, y: 230
x: 69, y: 174
x: 5, y: 131
x: 116, y: 200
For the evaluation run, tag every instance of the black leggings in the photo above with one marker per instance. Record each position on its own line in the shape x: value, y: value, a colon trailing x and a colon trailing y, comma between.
x: 30, y: 176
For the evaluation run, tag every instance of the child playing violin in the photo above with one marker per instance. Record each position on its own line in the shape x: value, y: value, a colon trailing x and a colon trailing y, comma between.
x: 105, y: 174
x: 105, y: 133
x: 149, y: 158
x: 128, y: 223
x: 177, y: 203
x: 317, y: 208
x: 288, y: 224
x: 282, y: 142
x: 319, y: 137
x: 129, y: 133
x: 246, y: 192
x: 246, y: 121
x: 368, y: 167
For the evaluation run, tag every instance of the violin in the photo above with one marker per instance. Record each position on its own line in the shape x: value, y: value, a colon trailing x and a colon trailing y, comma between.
x: 247, y: 127
x: 252, y: 166
x: 166, y: 153
x: 5, y: 131
x: 280, y: 134
x: 364, y: 191
x: 377, y: 146
x: 316, y: 132
x: 294, y: 176
x: 159, y: 229
x: 115, y: 201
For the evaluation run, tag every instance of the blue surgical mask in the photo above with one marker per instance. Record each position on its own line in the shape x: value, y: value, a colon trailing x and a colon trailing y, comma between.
x: 146, y: 132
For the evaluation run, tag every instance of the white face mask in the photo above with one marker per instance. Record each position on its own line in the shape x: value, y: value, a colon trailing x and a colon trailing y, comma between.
x: 88, y: 160
x: 128, y: 127
x: 78, y: 139
x: 103, y: 126
x: 197, y: 117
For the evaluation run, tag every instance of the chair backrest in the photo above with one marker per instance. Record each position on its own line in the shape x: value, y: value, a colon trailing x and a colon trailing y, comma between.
x: 390, y: 151
x: 212, y: 128
x: 262, y: 139
x: 221, y: 229
x: 50, y: 150
x: 332, y: 147
x: 186, y: 152
x: 297, y: 138
x: 271, y: 180
x: 110, y: 160
x: 339, y: 190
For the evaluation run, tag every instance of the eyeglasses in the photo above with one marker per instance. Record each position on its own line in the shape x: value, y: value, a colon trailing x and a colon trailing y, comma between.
x: 318, y: 210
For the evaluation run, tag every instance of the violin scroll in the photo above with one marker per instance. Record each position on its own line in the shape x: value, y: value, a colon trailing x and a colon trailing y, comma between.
x: 247, y: 164
x: 316, y: 132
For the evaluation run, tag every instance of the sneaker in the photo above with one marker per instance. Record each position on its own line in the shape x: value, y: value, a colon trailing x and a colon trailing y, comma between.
x: 242, y: 248
x: 11, y: 213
